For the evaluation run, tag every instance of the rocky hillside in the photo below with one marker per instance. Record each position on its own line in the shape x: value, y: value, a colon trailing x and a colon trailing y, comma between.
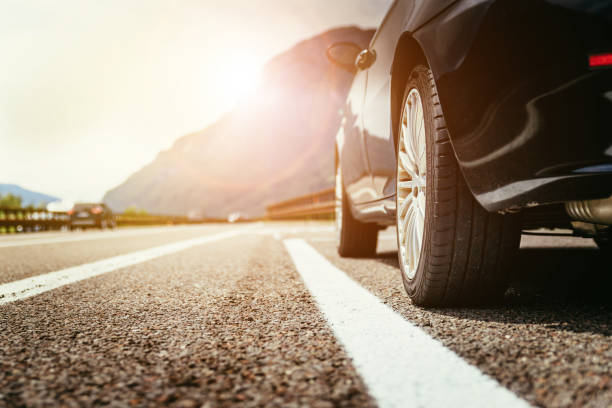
x: 276, y: 146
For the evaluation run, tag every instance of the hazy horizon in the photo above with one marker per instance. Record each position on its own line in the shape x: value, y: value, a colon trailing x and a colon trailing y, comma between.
x: 91, y: 92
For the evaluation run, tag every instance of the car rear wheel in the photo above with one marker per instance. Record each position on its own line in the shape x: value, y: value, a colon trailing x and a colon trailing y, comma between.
x: 451, y: 251
x: 355, y: 239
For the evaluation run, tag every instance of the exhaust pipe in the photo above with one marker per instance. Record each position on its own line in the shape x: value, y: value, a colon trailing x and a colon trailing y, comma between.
x: 591, y: 211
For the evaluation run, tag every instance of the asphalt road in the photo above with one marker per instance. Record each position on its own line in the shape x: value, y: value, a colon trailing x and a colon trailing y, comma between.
x: 269, y: 315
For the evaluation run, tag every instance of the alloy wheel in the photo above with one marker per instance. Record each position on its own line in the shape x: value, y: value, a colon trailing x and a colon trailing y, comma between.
x: 411, y: 183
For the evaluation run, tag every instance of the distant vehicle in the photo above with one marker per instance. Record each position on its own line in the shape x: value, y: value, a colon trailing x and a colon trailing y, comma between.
x: 467, y: 122
x: 94, y: 215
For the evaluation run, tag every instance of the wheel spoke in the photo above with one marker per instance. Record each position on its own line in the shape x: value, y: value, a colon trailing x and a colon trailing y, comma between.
x: 408, y: 220
x: 416, y: 246
x: 419, y: 228
x: 413, y: 139
x: 405, y: 133
x: 417, y: 204
x: 421, y: 138
x: 408, y: 184
x: 405, y: 204
x: 407, y: 164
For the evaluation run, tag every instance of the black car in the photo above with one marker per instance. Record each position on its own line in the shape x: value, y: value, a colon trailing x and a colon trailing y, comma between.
x: 469, y: 121
x: 96, y: 215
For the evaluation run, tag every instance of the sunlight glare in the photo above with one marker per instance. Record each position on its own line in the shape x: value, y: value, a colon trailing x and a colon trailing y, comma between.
x: 239, y: 77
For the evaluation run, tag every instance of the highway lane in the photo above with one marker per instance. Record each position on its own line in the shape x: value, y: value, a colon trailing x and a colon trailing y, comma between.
x: 230, y: 322
x: 26, y: 255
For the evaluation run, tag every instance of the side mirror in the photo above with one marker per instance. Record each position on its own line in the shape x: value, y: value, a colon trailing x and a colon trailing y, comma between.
x: 344, y: 55
x: 365, y: 59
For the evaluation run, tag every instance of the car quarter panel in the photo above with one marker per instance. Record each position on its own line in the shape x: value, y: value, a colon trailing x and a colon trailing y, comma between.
x: 530, y: 122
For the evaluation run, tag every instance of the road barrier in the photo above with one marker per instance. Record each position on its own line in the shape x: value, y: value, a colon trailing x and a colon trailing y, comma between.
x: 126, y: 219
x: 31, y: 220
x: 14, y: 220
x: 320, y: 204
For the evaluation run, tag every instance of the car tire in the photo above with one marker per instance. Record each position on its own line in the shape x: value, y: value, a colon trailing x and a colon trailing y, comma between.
x: 354, y: 238
x: 465, y: 253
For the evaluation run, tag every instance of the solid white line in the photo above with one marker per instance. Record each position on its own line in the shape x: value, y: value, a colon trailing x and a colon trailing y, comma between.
x: 80, y: 236
x: 288, y: 229
x: 322, y: 239
x: 330, y: 239
x: 401, y: 364
x: 21, y: 289
x: 387, y: 236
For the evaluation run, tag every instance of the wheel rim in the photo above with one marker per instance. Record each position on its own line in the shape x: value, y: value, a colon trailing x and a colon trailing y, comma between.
x: 338, y: 208
x: 411, y: 183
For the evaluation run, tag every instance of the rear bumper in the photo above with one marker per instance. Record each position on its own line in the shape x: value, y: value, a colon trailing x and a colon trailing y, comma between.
x: 83, y: 222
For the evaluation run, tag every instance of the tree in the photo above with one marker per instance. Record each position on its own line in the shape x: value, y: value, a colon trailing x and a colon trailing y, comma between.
x: 10, y: 201
x: 134, y: 211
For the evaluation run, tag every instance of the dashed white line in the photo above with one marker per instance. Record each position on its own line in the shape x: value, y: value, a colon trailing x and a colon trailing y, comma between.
x: 24, y: 288
x: 401, y: 364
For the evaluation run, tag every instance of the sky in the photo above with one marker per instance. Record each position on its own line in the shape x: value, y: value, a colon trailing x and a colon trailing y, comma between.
x: 91, y: 91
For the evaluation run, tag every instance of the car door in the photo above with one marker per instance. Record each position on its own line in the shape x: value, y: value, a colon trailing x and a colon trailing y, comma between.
x: 403, y: 15
x: 378, y: 139
x: 351, y: 148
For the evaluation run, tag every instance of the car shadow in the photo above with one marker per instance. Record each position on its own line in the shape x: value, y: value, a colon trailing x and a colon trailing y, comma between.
x: 388, y: 258
x: 565, y: 288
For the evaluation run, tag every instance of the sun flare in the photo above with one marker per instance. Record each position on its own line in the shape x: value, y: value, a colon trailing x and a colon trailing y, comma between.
x: 239, y: 77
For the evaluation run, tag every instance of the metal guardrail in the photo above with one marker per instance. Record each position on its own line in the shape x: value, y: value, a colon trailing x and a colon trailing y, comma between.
x: 315, y: 204
x: 14, y: 220
x: 31, y: 220
x: 135, y: 220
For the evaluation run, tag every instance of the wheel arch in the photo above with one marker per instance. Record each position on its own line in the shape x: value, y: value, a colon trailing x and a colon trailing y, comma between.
x: 408, y: 54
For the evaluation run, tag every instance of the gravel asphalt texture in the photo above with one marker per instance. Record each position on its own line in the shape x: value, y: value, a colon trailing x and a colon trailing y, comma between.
x: 230, y: 323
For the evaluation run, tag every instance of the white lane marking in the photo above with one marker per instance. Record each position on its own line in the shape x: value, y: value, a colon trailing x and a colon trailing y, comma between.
x: 401, y: 364
x: 387, y: 236
x: 288, y: 229
x: 322, y: 239
x: 21, y: 289
x: 80, y: 236
x: 330, y: 239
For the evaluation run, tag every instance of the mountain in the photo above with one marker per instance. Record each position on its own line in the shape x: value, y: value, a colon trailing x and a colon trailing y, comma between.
x: 275, y: 146
x: 28, y: 197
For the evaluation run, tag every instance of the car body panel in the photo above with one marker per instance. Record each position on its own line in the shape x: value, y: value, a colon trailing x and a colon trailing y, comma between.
x: 351, y: 149
x: 529, y: 121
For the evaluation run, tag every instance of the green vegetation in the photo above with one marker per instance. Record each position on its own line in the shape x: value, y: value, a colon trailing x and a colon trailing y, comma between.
x: 13, y: 202
x: 134, y: 211
x: 10, y: 201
